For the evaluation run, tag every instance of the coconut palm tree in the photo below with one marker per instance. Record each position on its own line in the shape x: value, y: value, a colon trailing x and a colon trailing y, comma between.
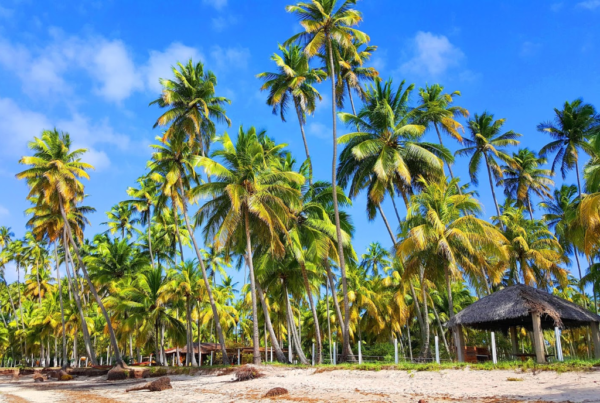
x: 325, y: 23
x: 293, y: 83
x: 176, y: 161
x: 488, y: 141
x: 436, y: 110
x: 54, y: 179
x: 523, y: 177
x: 377, y: 258
x: 121, y: 217
x: 571, y: 129
x: 192, y: 106
x: 252, y: 199
x: 144, y: 197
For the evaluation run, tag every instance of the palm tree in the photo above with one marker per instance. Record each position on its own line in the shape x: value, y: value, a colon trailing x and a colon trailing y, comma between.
x: 252, y: 198
x: 436, y: 109
x: 293, y: 83
x: 352, y: 74
x: 175, y: 161
x: 54, y: 178
x: 377, y: 258
x: 121, y: 218
x: 532, y: 250
x: 144, y: 198
x: 192, y: 105
x: 488, y: 142
x: 326, y: 23
x: 571, y: 129
x: 523, y: 177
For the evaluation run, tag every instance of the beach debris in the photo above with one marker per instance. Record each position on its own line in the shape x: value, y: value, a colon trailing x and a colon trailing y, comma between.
x: 157, y: 385
x: 37, y: 377
x: 276, y: 392
x: 247, y: 373
x: 422, y: 401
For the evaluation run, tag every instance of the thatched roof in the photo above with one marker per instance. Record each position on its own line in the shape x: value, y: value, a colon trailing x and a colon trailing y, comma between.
x: 513, y: 306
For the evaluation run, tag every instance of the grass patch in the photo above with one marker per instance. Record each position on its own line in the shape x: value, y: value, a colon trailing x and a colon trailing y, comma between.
x: 514, y: 379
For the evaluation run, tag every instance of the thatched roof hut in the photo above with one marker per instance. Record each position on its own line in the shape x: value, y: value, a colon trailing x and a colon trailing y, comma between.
x: 526, y: 307
x: 513, y: 306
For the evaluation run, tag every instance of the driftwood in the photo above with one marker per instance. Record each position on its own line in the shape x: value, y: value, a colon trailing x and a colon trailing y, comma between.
x: 156, y: 385
x: 37, y: 377
x: 276, y: 392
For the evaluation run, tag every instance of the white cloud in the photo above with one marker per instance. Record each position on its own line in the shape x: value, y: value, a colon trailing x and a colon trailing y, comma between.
x: 113, y: 68
x: 6, y: 12
x: 230, y: 58
x: 530, y: 48
x: 320, y: 130
x: 589, y: 4
x: 21, y: 125
x: 221, y: 23
x: 556, y: 7
x: 160, y: 63
x: 433, y: 55
x: 217, y: 4
x: 3, y: 210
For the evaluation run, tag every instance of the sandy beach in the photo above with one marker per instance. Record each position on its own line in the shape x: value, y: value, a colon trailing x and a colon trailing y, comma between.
x: 304, y: 385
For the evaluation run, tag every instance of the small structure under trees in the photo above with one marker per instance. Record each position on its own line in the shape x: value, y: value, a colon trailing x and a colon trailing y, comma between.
x: 527, y: 307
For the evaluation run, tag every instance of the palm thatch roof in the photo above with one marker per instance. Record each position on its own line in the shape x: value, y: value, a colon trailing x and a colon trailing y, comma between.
x: 513, y: 306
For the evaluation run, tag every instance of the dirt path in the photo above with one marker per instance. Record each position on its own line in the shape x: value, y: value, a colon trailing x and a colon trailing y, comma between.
x: 304, y: 385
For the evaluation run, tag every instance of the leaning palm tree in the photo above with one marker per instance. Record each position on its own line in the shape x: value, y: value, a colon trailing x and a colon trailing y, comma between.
x: 192, y: 106
x: 436, y: 109
x: 571, y: 129
x: 488, y: 141
x: 293, y: 83
x: 523, y: 178
x: 326, y: 22
x: 252, y: 199
x: 174, y: 162
x: 54, y: 179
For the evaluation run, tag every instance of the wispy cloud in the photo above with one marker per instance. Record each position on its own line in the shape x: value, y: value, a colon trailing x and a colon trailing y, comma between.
x: 160, y: 63
x: 230, y: 58
x: 529, y: 48
x: 3, y: 210
x: 589, y: 4
x: 217, y: 4
x: 433, y: 55
x: 220, y: 24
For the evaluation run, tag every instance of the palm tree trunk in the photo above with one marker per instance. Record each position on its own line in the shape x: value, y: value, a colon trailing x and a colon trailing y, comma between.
x: 62, y: 310
x: 190, y: 358
x: 449, y: 290
x: 21, y: 306
x: 156, y: 349
x: 111, y: 332
x: 84, y: 328
x: 335, y: 299
x: 578, y: 179
x: 177, y: 233
x: 150, y: 239
x: 347, y: 354
x: 487, y: 164
x: 12, y: 303
x: 37, y: 277
x: 426, y: 337
x: 437, y: 317
x: 293, y: 330
x: 442, y: 144
x: 205, y: 277
x: 328, y: 318
x: 255, y: 339
x: 351, y: 99
x: 278, y: 352
x: 313, y: 308
x: 301, y: 122
x: 396, y: 209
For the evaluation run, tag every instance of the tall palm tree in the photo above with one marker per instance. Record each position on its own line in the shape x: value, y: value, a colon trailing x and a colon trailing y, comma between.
x: 523, y: 177
x: 571, y: 129
x: 192, y: 106
x: 144, y: 197
x: 377, y: 258
x: 436, y: 109
x: 54, y: 178
x: 293, y: 83
x: 252, y: 199
x: 326, y: 22
x: 175, y: 161
x: 488, y: 141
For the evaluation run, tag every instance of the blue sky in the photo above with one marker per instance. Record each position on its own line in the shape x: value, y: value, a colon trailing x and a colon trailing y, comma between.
x: 91, y: 68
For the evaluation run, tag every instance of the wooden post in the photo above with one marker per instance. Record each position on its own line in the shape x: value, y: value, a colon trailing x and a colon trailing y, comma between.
x: 596, y: 339
x: 359, y: 352
x: 437, y: 349
x: 396, y: 351
x: 459, y: 341
x: 514, y: 340
x: 538, y: 338
x: 494, y: 358
x: 558, y: 344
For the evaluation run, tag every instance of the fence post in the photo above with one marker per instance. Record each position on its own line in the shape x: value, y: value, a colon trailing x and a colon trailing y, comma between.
x: 148, y: 364
x: 494, y: 358
x: 313, y: 355
x: 359, y: 352
x: 396, y: 351
x: 271, y: 353
x: 437, y: 349
x: 101, y: 360
x: 199, y: 358
x: 558, y: 345
x: 211, y: 357
x: 334, y: 354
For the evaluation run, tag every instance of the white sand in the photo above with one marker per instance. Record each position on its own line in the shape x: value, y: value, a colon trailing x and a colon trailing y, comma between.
x: 334, y: 386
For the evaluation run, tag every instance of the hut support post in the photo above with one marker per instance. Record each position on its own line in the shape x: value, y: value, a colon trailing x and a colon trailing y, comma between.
x: 514, y: 340
x: 596, y: 339
x: 459, y: 341
x: 558, y: 345
x: 538, y: 338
